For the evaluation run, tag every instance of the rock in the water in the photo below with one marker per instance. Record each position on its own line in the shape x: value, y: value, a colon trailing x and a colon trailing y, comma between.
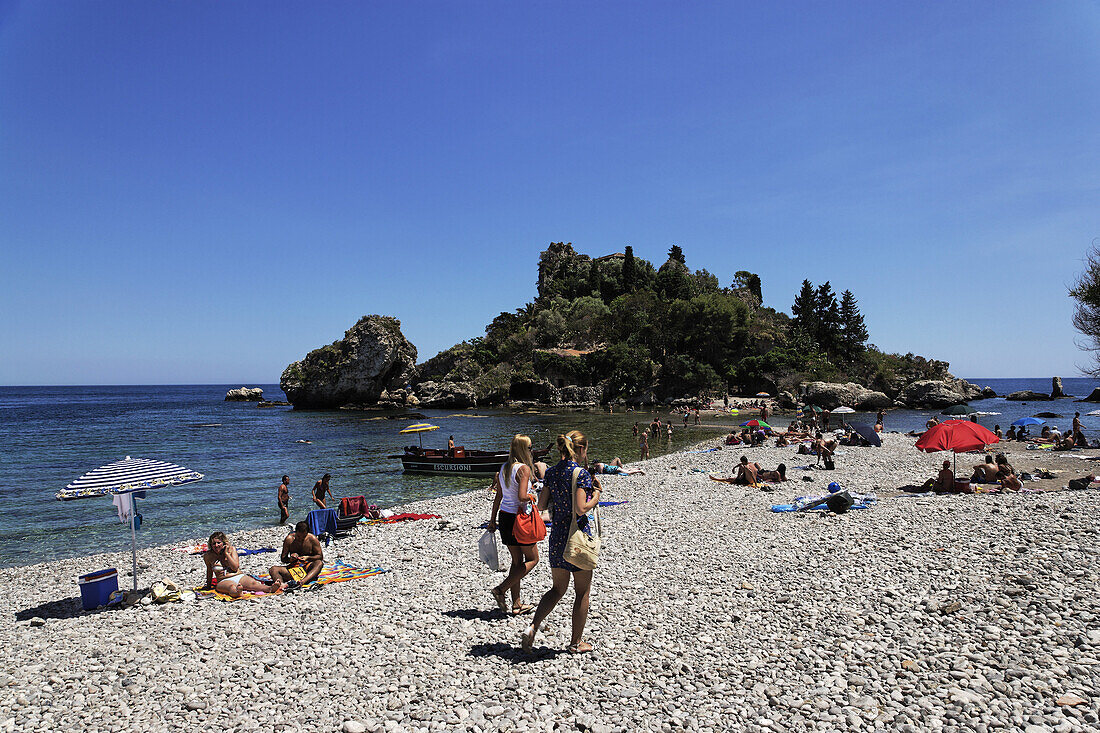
x: 1056, y: 388
x: 1048, y: 414
x: 830, y: 395
x: 1094, y: 397
x: 245, y: 394
x: 1026, y: 395
x: 988, y: 393
x: 373, y: 355
x: 933, y: 393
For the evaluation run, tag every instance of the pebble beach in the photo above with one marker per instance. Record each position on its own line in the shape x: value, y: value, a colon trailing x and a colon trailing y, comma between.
x: 709, y: 612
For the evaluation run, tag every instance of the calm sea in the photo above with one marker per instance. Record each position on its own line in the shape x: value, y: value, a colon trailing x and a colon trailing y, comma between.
x: 54, y: 434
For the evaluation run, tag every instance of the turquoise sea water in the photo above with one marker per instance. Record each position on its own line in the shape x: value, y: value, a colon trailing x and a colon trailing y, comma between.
x: 54, y: 434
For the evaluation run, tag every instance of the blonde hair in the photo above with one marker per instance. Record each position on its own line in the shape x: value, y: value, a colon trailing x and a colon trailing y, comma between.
x: 568, y: 444
x: 520, y: 452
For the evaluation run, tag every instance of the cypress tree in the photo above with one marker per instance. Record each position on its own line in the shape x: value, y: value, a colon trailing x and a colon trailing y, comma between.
x: 828, y: 318
x: 804, y: 310
x: 853, y: 335
x: 630, y: 270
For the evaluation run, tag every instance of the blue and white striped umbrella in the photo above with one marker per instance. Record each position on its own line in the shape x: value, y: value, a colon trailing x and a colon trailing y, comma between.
x: 127, y: 477
x: 122, y: 477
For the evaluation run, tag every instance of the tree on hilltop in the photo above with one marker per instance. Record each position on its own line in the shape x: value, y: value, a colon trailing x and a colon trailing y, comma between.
x: 828, y: 319
x: 630, y: 270
x: 677, y: 255
x: 853, y: 330
x: 804, y: 310
x: 750, y: 281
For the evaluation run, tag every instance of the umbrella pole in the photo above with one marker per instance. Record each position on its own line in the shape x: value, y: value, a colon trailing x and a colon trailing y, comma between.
x: 133, y: 539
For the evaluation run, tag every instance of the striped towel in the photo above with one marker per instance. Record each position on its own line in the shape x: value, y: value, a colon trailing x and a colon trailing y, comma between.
x: 335, y: 573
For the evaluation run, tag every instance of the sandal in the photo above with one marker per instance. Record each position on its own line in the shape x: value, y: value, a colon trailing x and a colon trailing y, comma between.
x: 527, y: 639
x: 521, y: 608
x: 498, y: 596
x: 581, y: 647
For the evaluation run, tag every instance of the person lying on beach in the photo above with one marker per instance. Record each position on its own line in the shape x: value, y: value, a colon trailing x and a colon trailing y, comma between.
x: 985, y: 473
x: 774, y: 477
x: 223, y: 570
x: 302, y: 558
x: 782, y: 441
x: 615, y: 468
x: 1011, y: 482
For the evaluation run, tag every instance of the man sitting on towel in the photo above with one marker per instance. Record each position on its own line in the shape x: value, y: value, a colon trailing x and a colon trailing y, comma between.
x: 302, y: 557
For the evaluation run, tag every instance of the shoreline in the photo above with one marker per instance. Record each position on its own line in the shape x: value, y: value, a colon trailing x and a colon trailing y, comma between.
x: 708, y: 612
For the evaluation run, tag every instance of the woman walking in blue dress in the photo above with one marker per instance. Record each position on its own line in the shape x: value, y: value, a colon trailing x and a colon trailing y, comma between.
x: 558, y: 493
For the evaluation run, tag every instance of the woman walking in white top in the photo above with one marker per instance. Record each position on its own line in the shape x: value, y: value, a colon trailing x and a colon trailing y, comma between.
x: 512, y: 484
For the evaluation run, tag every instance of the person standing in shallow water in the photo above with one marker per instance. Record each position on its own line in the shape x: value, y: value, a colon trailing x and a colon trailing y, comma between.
x: 643, y: 444
x: 320, y: 489
x: 284, y: 500
x: 558, y: 493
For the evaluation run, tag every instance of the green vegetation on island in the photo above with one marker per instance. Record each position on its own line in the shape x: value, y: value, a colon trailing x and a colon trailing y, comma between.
x: 617, y: 328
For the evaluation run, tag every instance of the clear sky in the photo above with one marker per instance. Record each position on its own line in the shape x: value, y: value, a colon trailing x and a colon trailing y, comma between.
x: 202, y: 192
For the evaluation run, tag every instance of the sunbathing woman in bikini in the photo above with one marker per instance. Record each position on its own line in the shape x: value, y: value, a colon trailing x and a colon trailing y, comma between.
x: 223, y: 570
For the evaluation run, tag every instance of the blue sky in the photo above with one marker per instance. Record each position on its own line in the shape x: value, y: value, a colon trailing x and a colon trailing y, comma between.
x: 202, y: 192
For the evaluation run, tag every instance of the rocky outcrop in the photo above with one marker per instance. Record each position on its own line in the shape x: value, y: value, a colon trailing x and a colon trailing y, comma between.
x: 446, y: 395
x: 966, y: 389
x: 581, y: 396
x: 1094, y: 397
x: 988, y: 393
x: 245, y: 394
x: 932, y: 393
x: 373, y: 356
x: 786, y: 400
x: 830, y: 395
x: 1026, y: 395
x: 1056, y: 392
x: 273, y: 403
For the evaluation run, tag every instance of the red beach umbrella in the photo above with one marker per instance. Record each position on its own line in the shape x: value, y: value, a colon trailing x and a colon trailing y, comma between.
x: 959, y: 436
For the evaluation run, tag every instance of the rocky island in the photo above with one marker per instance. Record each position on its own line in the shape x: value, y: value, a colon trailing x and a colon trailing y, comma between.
x: 615, y: 329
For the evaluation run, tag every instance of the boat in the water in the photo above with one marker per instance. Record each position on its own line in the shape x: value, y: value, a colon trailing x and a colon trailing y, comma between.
x: 458, y: 461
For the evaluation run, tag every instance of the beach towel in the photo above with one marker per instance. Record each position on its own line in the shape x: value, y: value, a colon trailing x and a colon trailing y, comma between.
x: 336, y: 573
x: 406, y: 517
x: 707, y: 450
x: 352, y: 505
x: 322, y: 521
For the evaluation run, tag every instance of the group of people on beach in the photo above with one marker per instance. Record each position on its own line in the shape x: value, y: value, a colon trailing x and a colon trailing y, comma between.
x: 302, y: 557
x: 566, y: 491
x: 993, y: 470
x: 302, y: 561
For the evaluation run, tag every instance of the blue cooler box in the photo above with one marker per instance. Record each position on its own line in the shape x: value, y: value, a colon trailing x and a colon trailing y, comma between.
x: 96, y: 588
